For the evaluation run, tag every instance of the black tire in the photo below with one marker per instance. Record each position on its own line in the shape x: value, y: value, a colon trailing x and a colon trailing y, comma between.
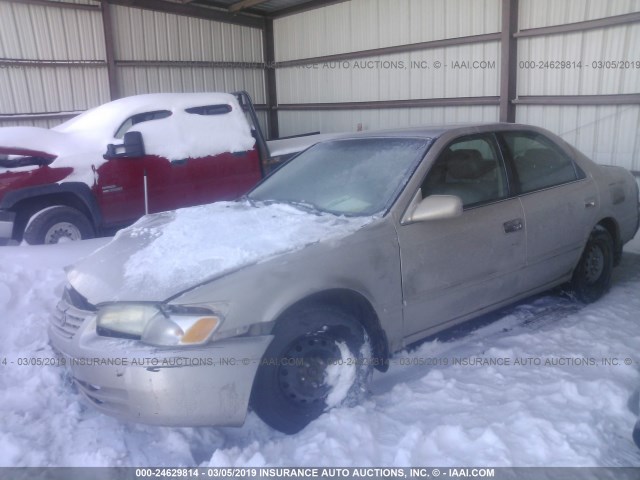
x: 289, y: 390
x: 636, y: 434
x: 592, y: 276
x: 55, y: 223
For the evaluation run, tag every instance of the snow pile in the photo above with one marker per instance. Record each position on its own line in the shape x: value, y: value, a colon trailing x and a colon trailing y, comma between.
x: 43, y: 421
x: 564, y: 413
x: 218, y: 238
x: 340, y: 376
x: 559, y: 414
x: 39, y: 140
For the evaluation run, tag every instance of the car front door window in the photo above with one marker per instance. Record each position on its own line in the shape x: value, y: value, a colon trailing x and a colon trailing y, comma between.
x: 139, y: 118
x: 469, y: 168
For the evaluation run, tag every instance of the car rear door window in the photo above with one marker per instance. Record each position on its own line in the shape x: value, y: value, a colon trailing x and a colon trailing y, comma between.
x: 537, y: 161
x: 469, y: 168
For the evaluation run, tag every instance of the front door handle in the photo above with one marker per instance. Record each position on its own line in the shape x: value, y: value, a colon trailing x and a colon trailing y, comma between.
x: 513, y: 225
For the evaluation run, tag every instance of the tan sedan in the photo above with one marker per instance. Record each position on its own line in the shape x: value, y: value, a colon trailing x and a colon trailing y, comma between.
x: 285, y: 300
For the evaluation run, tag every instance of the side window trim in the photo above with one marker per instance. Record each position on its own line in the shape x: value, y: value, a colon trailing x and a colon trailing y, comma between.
x: 512, y: 173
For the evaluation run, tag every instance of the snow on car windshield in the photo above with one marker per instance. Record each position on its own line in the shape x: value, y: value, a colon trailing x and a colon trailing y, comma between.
x: 347, y: 177
x: 203, y: 242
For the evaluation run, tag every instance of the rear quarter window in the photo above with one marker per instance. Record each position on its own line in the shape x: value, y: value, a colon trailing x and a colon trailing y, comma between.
x: 209, y: 110
x: 538, y: 162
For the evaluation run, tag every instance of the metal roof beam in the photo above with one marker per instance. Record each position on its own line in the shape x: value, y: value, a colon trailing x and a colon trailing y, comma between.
x: 378, y: 104
x: 236, y: 7
x: 608, y: 99
x: 605, y: 22
x: 375, y: 52
x: 189, y: 10
x: 303, y: 7
x: 48, y: 3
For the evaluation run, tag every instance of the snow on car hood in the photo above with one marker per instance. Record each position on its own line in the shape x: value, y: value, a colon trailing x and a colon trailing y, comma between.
x: 41, y: 140
x: 69, y: 149
x: 166, y: 253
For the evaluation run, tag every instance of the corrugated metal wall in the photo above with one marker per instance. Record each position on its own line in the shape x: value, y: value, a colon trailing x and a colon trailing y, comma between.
x: 609, y: 134
x: 70, y: 42
x: 293, y: 122
x: 543, y: 13
x: 365, y: 24
x: 143, y: 35
x: 371, y: 24
x: 53, y: 60
x: 67, y: 71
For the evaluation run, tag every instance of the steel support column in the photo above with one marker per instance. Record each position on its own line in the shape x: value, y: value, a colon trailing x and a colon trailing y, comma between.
x: 109, y: 45
x: 508, y: 61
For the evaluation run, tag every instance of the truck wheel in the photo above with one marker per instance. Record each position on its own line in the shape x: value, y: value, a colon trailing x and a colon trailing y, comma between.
x: 58, y: 224
x: 319, y: 358
x: 592, y: 277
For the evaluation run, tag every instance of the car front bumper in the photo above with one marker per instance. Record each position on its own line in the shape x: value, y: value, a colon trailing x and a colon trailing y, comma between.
x: 210, y: 385
x: 6, y: 224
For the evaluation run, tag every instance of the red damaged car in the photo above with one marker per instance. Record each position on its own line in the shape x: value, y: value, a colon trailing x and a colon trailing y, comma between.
x: 110, y: 165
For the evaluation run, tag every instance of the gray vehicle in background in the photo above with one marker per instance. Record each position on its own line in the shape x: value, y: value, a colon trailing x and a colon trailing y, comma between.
x: 395, y: 236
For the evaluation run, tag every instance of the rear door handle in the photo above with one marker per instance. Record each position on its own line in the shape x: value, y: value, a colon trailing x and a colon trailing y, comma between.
x: 513, y: 225
x: 589, y: 203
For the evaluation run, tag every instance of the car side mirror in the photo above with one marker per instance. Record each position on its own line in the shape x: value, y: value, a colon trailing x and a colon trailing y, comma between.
x: 132, y: 146
x: 434, y: 207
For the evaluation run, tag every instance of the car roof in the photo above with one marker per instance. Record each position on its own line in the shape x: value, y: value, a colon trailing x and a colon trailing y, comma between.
x: 435, y: 131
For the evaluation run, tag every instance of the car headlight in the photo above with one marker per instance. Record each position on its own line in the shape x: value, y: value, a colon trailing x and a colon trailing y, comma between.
x: 158, y: 325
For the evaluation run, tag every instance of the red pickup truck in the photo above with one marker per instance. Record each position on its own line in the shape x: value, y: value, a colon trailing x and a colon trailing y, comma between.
x: 110, y: 165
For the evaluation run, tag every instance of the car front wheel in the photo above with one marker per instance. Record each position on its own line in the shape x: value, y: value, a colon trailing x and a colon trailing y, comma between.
x: 592, y: 277
x: 319, y: 358
x: 58, y: 224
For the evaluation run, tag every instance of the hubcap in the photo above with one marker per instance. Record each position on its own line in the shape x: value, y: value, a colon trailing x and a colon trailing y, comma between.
x: 62, y: 231
x: 301, y: 375
x: 594, y: 264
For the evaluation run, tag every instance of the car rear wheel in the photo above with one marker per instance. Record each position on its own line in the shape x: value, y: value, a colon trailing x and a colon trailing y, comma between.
x: 319, y: 358
x: 592, y: 277
x: 58, y: 224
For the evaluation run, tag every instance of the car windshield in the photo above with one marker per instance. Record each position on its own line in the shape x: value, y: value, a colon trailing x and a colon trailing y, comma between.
x: 355, y: 177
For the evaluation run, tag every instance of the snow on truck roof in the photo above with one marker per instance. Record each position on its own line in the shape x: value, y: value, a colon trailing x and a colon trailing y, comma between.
x: 181, y: 134
x: 119, y: 110
x: 82, y: 141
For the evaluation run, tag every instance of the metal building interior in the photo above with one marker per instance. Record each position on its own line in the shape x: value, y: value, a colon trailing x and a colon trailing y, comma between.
x: 333, y: 65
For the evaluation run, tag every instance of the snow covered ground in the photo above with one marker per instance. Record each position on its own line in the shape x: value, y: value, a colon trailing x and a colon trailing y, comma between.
x: 569, y: 410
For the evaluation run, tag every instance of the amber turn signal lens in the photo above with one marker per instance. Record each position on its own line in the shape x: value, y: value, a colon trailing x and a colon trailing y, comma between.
x: 200, y: 331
